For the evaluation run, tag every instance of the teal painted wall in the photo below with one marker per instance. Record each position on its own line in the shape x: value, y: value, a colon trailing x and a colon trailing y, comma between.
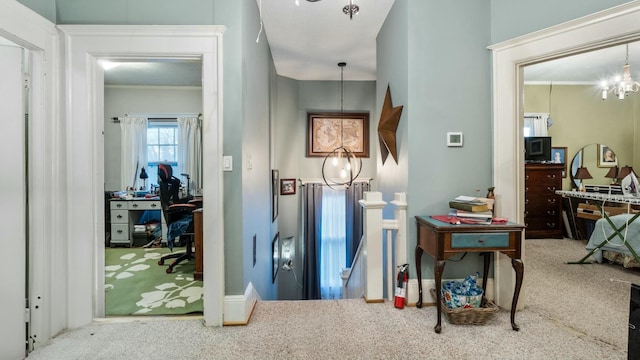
x: 513, y: 18
x: 434, y: 82
x: 137, y: 12
x: 46, y: 8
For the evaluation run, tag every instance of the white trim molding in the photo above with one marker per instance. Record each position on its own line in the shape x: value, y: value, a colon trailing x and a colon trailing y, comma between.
x: 238, y: 308
x: 83, y: 46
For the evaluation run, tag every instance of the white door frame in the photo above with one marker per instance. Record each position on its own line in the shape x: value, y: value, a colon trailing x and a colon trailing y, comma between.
x: 45, y: 201
x: 612, y: 26
x: 83, y: 46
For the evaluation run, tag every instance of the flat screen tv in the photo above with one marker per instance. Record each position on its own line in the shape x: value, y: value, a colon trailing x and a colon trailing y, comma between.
x: 537, y: 148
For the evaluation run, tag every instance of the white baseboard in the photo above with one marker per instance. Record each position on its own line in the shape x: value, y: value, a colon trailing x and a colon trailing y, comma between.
x: 238, y: 308
x: 412, y: 290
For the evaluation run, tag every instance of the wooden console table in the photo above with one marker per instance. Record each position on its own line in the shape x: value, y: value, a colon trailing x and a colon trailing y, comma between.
x: 443, y: 240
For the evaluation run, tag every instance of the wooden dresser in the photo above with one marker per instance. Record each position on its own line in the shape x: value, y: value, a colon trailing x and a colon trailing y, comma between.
x: 543, y: 207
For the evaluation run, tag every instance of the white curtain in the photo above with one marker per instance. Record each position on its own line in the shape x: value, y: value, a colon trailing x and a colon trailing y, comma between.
x: 332, y: 243
x: 190, y: 150
x: 134, y: 150
x: 536, y: 125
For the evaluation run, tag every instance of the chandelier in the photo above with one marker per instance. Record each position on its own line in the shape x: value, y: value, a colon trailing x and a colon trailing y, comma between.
x: 341, y: 166
x: 621, y: 86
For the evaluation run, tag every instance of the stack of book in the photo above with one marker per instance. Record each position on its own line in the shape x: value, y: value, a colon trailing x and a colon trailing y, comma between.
x: 472, y: 210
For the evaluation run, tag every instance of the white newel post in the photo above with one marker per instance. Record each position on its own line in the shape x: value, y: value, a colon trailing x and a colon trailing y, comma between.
x: 373, y: 204
x: 400, y: 213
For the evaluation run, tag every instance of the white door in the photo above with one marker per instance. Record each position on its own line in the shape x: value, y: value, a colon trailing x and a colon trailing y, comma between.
x: 12, y: 205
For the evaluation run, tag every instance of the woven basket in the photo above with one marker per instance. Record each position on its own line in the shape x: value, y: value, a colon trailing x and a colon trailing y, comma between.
x: 469, y: 316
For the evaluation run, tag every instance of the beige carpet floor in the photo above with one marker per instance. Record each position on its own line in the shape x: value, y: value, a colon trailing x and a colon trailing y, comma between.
x: 573, y: 312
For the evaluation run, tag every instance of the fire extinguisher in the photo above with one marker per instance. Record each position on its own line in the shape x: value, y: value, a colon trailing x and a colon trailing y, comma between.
x: 401, y: 288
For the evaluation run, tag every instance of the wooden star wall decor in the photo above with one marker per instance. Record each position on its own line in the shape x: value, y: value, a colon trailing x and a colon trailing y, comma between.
x: 389, y: 119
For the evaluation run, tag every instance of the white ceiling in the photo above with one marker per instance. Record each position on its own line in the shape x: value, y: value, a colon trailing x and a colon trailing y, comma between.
x: 308, y: 41
x: 587, y: 68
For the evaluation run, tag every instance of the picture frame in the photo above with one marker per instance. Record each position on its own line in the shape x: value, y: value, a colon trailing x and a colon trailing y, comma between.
x: 287, y: 186
x: 275, y: 174
x: 454, y: 139
x: 275, y: 257
x: 328, y: 131
x: 606, y: 157
x: 559, y: 156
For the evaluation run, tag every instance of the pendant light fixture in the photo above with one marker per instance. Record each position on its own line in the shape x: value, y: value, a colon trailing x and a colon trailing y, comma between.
x: 341, y: 166
x: 621, y: 86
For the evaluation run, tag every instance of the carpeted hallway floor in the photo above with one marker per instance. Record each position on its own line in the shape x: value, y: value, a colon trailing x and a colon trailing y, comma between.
x: 573, y: 312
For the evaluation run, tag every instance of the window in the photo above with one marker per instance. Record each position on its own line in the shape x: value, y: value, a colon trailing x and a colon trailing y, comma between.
x: 333, y: 243
x: 162, y: 144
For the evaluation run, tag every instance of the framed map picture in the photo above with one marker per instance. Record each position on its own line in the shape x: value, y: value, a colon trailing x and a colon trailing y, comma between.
x: 327, y: 131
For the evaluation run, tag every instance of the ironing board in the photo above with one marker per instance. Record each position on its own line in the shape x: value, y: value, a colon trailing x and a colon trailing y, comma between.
x: 598, y: 200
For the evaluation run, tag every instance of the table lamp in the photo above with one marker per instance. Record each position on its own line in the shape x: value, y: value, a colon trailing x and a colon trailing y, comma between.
x: 581, y: 174
x: 626, y: 170
x: 144, y: 177
x: 613, y: 175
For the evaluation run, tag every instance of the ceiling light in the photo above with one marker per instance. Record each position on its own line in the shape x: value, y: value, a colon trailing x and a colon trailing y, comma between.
x: 344, y: 165
x: 621, y: 86
x: 351, y: 9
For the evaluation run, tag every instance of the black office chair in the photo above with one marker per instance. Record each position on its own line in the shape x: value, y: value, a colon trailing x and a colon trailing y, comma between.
x: 178, y: 214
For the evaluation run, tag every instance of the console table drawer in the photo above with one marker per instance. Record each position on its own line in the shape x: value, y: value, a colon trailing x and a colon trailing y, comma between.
x: 479, y: 240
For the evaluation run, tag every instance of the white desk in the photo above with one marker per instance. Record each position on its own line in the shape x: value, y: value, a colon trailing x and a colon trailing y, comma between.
x: 126, y: 213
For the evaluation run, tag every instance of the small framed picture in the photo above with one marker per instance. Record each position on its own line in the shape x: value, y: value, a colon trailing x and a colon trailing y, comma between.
x: 287, y: 186
x: 559, y: 156
x: 454, y: 139
x: 606, y: 157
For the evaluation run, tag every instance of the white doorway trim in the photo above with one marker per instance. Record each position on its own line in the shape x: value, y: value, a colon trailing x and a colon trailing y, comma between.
x: 616, y: 25
x: 83, y: 46
x: 39, y: 37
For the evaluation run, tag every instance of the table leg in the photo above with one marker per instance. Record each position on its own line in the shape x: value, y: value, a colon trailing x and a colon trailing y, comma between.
x: 485, y: 271
x: 518, y: 266
x: 439, y: 269
x: 418, y: 255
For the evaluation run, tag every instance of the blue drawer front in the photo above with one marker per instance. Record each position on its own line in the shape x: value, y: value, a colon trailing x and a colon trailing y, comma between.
x: 488, y: 240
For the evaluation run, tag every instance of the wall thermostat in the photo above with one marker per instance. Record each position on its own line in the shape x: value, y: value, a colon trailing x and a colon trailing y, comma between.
x: 454, y: 139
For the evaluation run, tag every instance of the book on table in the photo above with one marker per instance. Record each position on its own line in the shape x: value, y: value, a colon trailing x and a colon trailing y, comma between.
x: 470, y: 203
x: 481, y: 215
x: 468, y: 206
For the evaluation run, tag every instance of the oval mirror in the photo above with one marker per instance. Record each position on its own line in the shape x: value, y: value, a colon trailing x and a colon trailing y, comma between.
x: 598, y: 159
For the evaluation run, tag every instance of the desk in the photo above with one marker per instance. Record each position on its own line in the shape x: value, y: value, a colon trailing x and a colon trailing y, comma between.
x: 197, y: 242
x: 442, y: 240
x: 126, y: 213
x: 596, y: 198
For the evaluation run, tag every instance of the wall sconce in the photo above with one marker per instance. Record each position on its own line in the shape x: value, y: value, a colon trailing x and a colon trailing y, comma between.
x: 288, y: 253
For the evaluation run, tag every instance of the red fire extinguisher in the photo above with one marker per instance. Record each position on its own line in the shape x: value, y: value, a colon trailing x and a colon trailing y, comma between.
x: 401, y: 288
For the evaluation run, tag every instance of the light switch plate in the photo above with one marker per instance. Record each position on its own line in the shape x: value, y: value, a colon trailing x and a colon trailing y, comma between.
x: 227, y: 163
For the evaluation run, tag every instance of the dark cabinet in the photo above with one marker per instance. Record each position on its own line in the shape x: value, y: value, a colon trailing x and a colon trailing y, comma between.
x: 543, y: 207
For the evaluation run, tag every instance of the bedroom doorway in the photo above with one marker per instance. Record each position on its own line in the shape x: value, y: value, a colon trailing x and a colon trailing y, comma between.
x: 85, y: 113
x: 158, y: 99
x: 600, y: 29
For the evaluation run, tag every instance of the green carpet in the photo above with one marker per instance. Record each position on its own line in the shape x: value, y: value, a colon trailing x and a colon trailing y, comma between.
x: 136, y: 285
